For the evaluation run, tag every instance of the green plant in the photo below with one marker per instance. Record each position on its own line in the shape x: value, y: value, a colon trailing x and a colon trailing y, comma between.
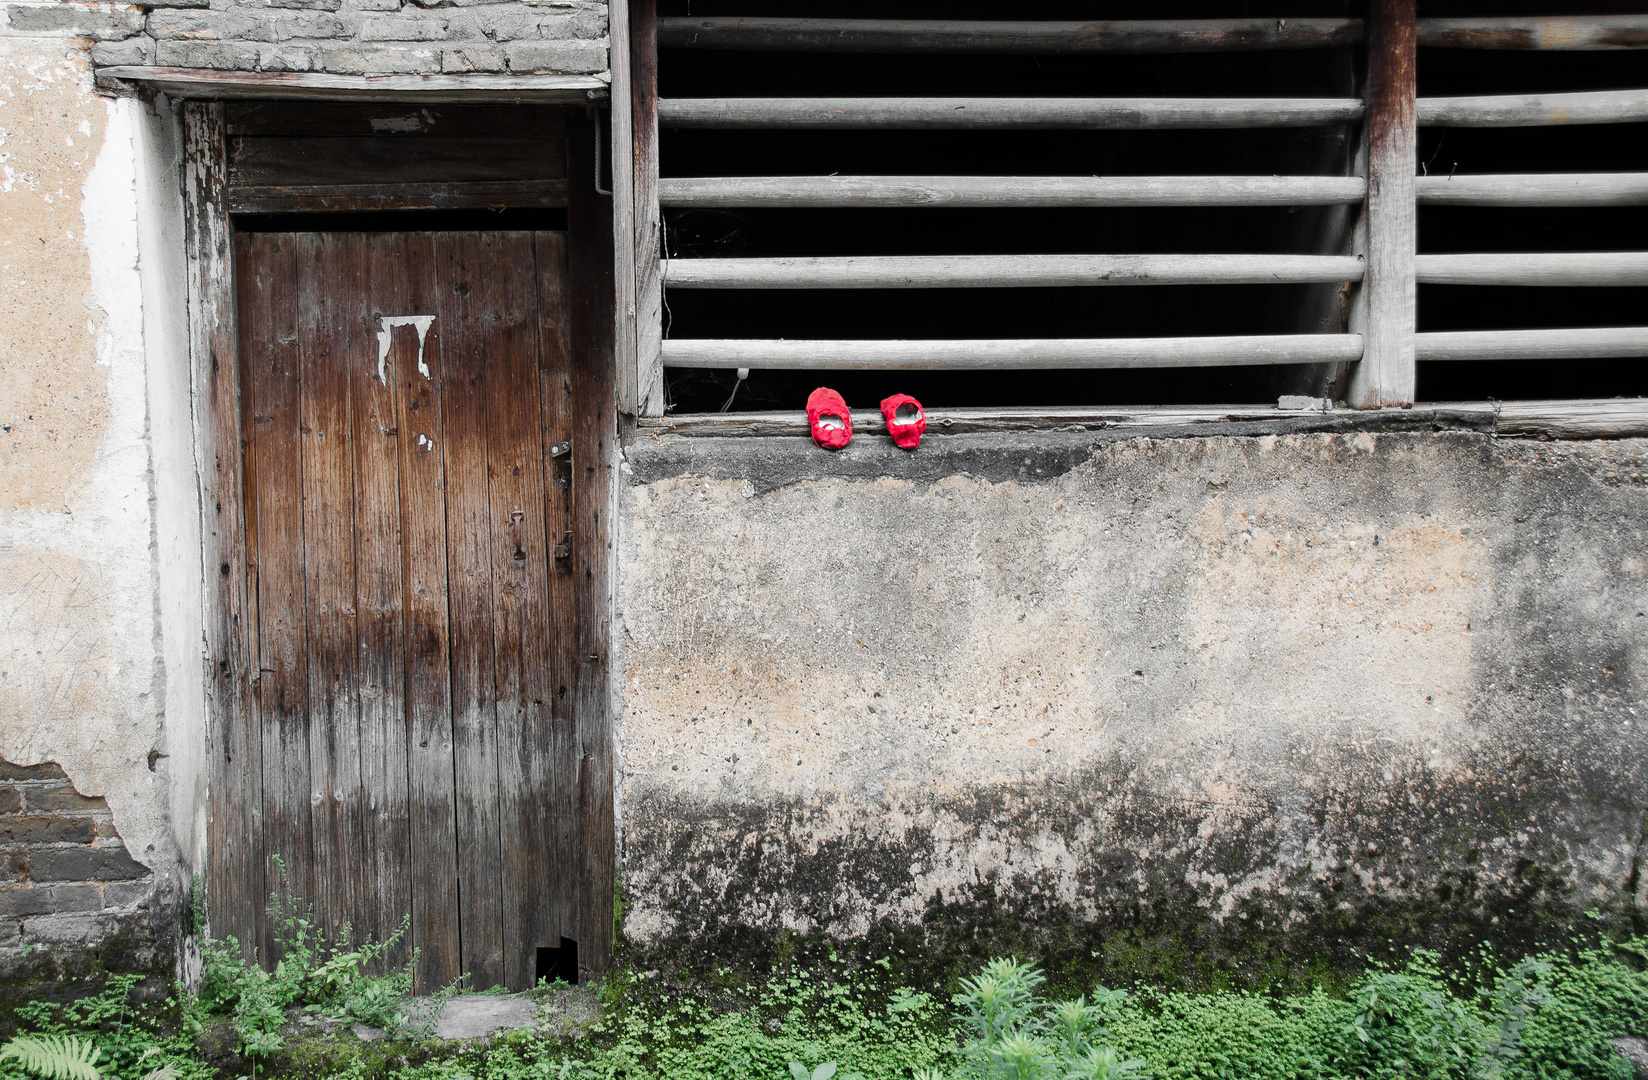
x: 57, y: 1057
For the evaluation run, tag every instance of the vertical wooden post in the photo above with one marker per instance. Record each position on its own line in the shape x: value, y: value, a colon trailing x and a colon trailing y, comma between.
x: 235, y: 893
x: 649, y: 218
x: 1387, y: 297
x: 622, y: 182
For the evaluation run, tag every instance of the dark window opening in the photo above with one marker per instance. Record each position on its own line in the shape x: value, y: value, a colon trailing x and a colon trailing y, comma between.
x: 558, y: 964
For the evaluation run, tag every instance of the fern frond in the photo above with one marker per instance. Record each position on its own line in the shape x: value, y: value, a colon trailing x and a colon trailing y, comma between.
x: 165, y: 1072
x: 55, y: 1057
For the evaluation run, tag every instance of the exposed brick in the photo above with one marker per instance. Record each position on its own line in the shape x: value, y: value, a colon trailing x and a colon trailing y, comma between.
x: 403, y: 28
x: 286, y: 25
x: 225, y: 26
x: 47, y: 771
x: 586, y: 25
x: 60, y: 797
x: 474, y: 58
x: 84, y: 864
x: 105, y: 827
x: 14, y: 865
x: 137, y: 50
x: 235, y: 56
x: 121, y: 894
x: 377, y: 59
x: 11, y: 800
x: 20, y: 901
x: 10, y: 932
x: 73, y: 20
x: 47, y: 829
x: 286, y: 57
x: 70, y: 929
x: 572, y: 57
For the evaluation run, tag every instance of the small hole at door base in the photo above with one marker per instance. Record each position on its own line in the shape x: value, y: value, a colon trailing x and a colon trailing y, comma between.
x: 558, y: 964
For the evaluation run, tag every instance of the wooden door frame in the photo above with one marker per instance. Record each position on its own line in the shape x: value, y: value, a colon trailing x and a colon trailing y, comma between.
x: 235, y: 858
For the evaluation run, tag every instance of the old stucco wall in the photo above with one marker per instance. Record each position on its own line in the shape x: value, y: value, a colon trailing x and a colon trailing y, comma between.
x: 83, y: 649
x: 1202, y: 707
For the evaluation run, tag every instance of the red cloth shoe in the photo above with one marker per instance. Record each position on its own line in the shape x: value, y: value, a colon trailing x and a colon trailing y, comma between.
x: 829, y: 419
x: 906, y: 420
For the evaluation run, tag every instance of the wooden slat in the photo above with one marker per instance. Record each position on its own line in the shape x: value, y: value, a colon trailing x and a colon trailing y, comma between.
x: 558, y: 813
x: 381, y: 660
x: 1388, y: 296
x: 1536, y: 189
x: 1568, y: 33
x: 234, y: 890
x: 207, y: 83
x: 328, y: 567
x: 1007, y: 271
x: 286, y: 160
x: 1535, y: 110
x: 622, y: 183
x: 402, y: 284
x: 1592, y: 268
x: 1013, y: 354
x: 1571, y: 419
x: 911, y: 113
x: 266, y: 275
x: 521, y: 645
x: 979, y: 36
x: 649, y: 218
x: 389, y: 119
x: 594, y: 495
x: 1607, y: 343
x: 470, y: 287
x: 1008, y: 191
x: 364, y: 198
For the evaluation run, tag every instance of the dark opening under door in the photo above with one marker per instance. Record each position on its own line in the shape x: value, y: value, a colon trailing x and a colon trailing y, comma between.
x: 406, y: 403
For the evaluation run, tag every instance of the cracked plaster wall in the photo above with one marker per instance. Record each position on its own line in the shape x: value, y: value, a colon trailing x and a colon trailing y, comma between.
x: 1304, y: 690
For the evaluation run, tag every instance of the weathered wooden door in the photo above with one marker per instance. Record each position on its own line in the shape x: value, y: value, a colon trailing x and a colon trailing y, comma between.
x: 406, y: 407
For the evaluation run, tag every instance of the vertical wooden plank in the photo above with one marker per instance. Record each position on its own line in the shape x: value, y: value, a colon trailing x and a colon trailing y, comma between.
x: 470, y: 284
x: 649, y: 218
x: 520, y: 600
x: 621, y: 142
x: 326, y: 436
x: 555, y: 396
x: 234, y: 892
x: 267, y: 281
x: 1386, y: 374
x: 403, y: 283
x: 594, y: 493
x: 380, y: 663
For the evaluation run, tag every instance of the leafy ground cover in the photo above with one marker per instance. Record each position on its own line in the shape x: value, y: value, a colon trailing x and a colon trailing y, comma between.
x: 1545, y: 1017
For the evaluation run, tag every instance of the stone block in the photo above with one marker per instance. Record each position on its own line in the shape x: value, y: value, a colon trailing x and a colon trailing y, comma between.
x: 226, y: 26
x: 69, y: 929
x: 11, y: 800
x: 14, y: 866
x: 180, y: 3
x: 137, y: 50
x: 22, y: 901
x: 377, y: 59
x: 474, y: 58
x: 495, y: 24
x: 403, y: 28
x: 225, y: 56
x: 74, y: 20
x: 286, y: 57
x: 376, y: 5
x: 47, y: 771
x: 84, y: 864
x: 286, y: 25
x: 11, y: 932
x: 46, y: 829
x: 127, y: 894
x: 562, y: 57
x: 311, y: 5
x: 55, y: 797
x: 573, y: 26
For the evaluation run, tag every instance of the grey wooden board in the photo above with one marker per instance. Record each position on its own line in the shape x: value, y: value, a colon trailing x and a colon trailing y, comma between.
x: 1571, y: 33
x: 1595, y: 268
x: 198, y: 83
x: 1006, y: 271
x: 1535, y: 189
x: 1016, y: 353
x: 1008, y: 191
x: 1005, y: 36
x: 1603, y: 343
x: 1536, y: 110
x: 1127, y: 114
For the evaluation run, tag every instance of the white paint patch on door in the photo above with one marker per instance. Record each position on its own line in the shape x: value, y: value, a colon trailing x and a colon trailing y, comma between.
x: 385, y: 337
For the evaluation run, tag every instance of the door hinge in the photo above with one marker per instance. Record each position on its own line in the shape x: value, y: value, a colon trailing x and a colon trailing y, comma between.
x: 563, y: 553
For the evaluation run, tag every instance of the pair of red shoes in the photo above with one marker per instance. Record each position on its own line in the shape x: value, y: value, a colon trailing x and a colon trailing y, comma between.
x: 831, y: 422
